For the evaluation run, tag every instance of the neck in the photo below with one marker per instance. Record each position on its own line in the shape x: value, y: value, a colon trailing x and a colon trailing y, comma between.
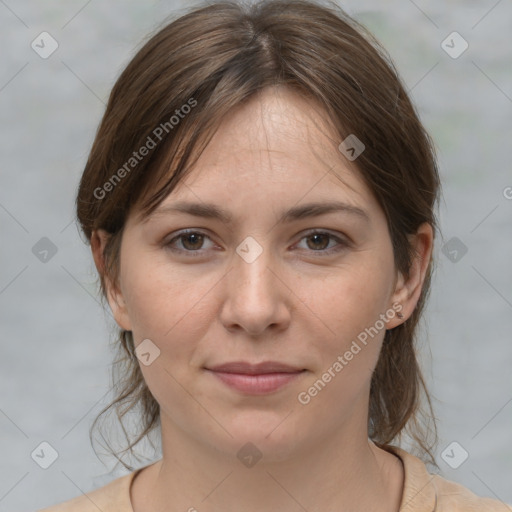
x: 345, y: 472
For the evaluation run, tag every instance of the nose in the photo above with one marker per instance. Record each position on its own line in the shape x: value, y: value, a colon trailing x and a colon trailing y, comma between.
x: 257, y: 297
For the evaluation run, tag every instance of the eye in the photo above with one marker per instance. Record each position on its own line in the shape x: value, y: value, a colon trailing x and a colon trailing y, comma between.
x: 191, y: 242
x: 318, y: 241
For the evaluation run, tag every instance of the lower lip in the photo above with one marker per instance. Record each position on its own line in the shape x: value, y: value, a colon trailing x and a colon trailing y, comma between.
x: 256, y: 384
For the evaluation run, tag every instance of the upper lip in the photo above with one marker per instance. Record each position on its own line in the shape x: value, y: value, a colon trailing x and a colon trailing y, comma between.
x: 255, y: 369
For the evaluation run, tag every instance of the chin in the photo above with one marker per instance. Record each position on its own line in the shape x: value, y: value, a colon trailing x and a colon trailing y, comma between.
x: 273, y: 434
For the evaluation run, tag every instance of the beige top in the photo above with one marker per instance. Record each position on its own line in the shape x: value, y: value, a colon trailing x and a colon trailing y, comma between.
x: 423, y: 492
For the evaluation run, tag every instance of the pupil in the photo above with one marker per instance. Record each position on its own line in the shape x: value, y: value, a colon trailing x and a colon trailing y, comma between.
x: 192, y: 236
x: 318, y: 236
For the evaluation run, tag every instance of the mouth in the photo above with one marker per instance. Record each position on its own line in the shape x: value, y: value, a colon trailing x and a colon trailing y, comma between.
x: 256, y: 379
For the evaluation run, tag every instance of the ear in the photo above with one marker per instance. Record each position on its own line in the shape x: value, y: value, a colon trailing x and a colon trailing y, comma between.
x: 99, y: 239
x: 407, y: 291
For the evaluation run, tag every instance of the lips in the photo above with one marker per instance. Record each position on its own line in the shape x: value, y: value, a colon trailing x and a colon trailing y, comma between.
x: 245, y: 368
x: 255, y: 379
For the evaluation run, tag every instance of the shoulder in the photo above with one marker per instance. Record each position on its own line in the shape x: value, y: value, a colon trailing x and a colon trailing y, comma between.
x: 113, y: 497
x: 453, y: 496
x: 426, y: 492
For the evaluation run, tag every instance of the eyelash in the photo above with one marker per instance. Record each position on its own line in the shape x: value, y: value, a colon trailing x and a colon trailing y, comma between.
x: 342, y: 244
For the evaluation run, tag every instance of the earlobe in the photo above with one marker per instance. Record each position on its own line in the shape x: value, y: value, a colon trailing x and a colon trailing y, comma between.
x: 99, y: 239
x: 408, y: 290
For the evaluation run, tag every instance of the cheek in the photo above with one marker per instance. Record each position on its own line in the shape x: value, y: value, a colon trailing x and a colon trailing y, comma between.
x: 169, y: 309
x: 165, y: 305
x: 352, y: 299
x: 347, y: 319
x: 348, y: 350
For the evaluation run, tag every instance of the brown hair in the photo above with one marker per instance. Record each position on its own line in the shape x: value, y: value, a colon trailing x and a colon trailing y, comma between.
x: 214, y: 58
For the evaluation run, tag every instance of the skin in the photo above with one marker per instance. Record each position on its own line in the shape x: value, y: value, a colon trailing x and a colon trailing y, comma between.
x: 295, y: 303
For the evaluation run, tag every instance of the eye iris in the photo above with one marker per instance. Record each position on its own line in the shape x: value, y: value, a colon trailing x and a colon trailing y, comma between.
x: 194, y: 236
x: 193, y: 241
x: 317, y: 236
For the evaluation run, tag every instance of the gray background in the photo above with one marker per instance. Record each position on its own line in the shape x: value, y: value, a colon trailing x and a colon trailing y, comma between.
x: 55, y: 353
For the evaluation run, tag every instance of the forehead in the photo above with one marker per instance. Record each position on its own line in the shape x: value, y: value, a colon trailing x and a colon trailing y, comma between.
x: 276, y: 139
x: 274, y: 153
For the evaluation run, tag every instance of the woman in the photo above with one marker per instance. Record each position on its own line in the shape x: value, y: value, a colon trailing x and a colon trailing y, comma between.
x: 260, y: 202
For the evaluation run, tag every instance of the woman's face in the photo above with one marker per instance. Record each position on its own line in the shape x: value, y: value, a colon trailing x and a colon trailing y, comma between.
x: 260, y: 286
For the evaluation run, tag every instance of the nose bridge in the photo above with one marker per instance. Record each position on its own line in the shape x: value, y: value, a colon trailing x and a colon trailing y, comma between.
x: 251, y: 264
x: 254, y: 300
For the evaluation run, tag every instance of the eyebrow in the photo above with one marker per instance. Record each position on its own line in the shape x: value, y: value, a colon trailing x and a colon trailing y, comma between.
x: 212, y: 211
